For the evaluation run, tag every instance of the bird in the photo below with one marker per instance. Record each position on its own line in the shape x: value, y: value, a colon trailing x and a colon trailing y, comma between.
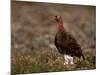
x: 66, y: 44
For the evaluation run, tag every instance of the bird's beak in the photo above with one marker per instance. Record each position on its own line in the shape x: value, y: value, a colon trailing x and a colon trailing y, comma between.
x: 56, y: 18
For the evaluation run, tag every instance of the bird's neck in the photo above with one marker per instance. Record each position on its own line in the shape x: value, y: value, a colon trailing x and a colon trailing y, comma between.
x: 60, y: 26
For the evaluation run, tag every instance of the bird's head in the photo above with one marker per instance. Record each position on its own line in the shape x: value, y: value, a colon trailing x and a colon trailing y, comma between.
x: 58, y: 18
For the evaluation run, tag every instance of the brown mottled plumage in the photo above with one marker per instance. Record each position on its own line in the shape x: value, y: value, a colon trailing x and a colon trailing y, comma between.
x: 66, y: 43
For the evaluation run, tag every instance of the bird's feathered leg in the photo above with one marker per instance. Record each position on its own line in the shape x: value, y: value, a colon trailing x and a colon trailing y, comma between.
x: 68, y: 59
x: 71, y: 60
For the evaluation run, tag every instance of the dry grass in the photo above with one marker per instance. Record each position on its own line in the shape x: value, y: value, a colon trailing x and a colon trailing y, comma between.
x: 44, y: 61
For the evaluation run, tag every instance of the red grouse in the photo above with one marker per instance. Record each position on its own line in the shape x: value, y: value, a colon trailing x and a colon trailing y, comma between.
x: 66, y: 43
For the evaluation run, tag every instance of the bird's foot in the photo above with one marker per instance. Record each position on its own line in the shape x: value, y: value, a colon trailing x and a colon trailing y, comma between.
x: 65, y: 63
x: 71, y: 63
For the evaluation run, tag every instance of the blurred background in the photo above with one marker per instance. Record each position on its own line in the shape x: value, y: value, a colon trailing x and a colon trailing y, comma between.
x: 33, y: 30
